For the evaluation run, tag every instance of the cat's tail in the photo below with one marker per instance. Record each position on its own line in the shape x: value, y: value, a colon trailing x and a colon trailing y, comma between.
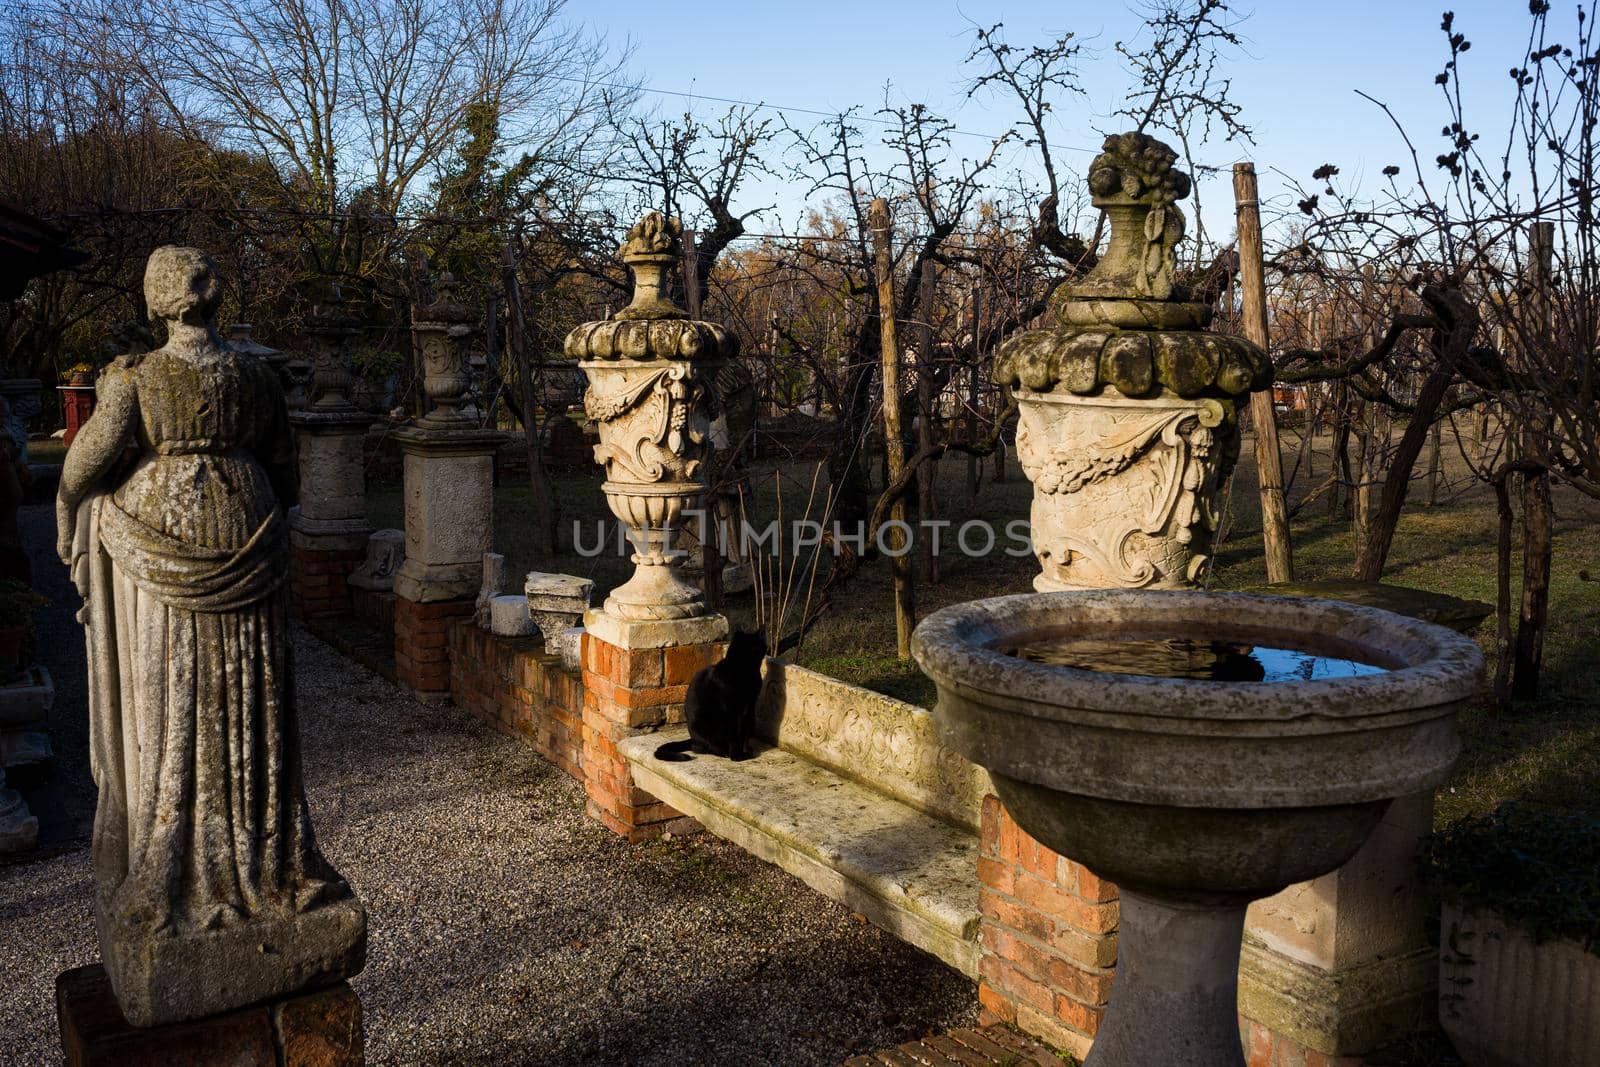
x: 675, y: 751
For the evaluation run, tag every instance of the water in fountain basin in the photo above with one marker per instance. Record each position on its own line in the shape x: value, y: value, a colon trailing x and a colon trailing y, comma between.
x: 1216, y: 661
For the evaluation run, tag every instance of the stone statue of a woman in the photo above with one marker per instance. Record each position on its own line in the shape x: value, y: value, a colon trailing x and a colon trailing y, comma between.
x: 210, y: 893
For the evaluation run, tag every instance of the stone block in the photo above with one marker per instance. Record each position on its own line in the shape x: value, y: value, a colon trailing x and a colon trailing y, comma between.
x: 188, y: 974
x: 1341, y: 963
x: 449, y: 510
x: 19, y: 827
x: 886, y: 743
x: 556, y: 602
x: 508, y: 617
x: 568, y: 644
x: 318, y: 1029
x: 907, y: 871
x: 654, y: 633
x: 332, y: 465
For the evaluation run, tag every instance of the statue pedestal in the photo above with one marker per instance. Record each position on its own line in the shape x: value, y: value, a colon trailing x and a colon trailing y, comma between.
x: 449, y: 518
x: 328, y: 531
x: 316, y: 1029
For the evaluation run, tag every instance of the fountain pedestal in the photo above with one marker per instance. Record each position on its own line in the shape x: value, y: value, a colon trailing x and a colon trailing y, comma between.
x: 1194, y: 796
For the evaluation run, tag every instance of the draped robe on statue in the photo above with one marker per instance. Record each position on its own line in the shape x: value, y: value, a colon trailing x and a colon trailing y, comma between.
x: 201, y: 829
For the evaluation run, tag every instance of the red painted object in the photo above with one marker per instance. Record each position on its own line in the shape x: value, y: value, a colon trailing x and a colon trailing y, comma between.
x: 77, y: 404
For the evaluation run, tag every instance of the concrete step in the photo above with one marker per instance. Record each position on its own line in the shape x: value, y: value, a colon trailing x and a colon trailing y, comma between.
x: 910, y: 873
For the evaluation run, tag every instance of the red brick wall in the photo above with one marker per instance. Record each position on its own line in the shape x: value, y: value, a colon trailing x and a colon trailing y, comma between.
x: 628, y: 692
x: 422, y: 644
x: 1048, y: 936
x: 318, y: 588
x: 1263, y: 1048
x: 515, y: 686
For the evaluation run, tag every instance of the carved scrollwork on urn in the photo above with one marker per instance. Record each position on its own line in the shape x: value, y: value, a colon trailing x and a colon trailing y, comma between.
x: 650, y: 372
x: 1127, y: 424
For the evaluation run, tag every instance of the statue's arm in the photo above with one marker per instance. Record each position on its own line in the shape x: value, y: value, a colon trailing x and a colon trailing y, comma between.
x: 97, y: 448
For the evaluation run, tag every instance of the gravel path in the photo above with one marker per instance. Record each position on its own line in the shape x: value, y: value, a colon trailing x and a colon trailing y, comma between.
x: 504, y: 925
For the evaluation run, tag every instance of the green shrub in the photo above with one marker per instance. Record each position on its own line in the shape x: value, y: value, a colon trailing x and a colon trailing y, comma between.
x: 1536, y: 868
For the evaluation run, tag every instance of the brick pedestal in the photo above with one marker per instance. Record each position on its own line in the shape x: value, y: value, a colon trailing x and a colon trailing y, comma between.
x: 319, y: 586
x: 318, y: 1029
x: 634, y: 681
x: 1048, y: 938
x: 422, y: 644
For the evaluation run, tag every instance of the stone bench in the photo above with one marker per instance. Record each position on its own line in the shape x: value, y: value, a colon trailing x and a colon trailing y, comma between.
x: 854, y: 795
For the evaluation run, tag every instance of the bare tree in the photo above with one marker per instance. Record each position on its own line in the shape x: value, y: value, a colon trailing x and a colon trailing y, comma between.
x: 357, y: 99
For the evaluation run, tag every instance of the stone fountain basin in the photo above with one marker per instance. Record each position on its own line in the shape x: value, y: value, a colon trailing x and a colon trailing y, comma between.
x: 1188, y: 785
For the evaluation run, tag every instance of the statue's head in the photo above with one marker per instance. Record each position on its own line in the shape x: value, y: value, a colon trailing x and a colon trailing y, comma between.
x: 182, y: 284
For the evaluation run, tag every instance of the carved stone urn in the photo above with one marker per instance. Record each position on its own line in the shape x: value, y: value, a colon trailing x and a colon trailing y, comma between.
x: 1194, y: 795
x: 650, y: 371
x: 330, y: 329
x: 1127, y: 408
x: 443, y: 329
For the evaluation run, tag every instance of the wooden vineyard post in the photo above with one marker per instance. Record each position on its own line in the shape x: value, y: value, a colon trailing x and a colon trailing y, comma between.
x: 1264, y: 420
x: 905, y: 609
x: 1534, y: 614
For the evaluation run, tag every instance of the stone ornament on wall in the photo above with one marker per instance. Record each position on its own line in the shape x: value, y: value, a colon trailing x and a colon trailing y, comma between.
x: 449, y: 462
x: 650, y: 371
x: 1127, y: 420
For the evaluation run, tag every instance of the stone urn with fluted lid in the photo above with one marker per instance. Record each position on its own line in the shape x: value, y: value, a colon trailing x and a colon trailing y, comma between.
x: 331, y: 329
x: 1127, y: 407
x: 1194, y: 795
x: 443, y: 330
x: 650, y: 369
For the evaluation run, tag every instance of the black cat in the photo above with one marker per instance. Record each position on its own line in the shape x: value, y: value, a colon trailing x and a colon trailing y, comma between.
x: 721, y: 703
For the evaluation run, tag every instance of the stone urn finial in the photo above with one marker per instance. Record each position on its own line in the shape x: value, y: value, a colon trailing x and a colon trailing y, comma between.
x: 650, y: 371
x: 330, y: 328
x: 653, y: 249
x: 1134, y: 181
x: 1127, y: 405
x: 444, y: 329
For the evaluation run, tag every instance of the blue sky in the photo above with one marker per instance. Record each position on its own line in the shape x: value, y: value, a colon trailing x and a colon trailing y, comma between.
x: 1295, y: 77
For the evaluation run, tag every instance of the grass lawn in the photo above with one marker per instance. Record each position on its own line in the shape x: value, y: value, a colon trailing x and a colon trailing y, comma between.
x: 1547, y: 751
